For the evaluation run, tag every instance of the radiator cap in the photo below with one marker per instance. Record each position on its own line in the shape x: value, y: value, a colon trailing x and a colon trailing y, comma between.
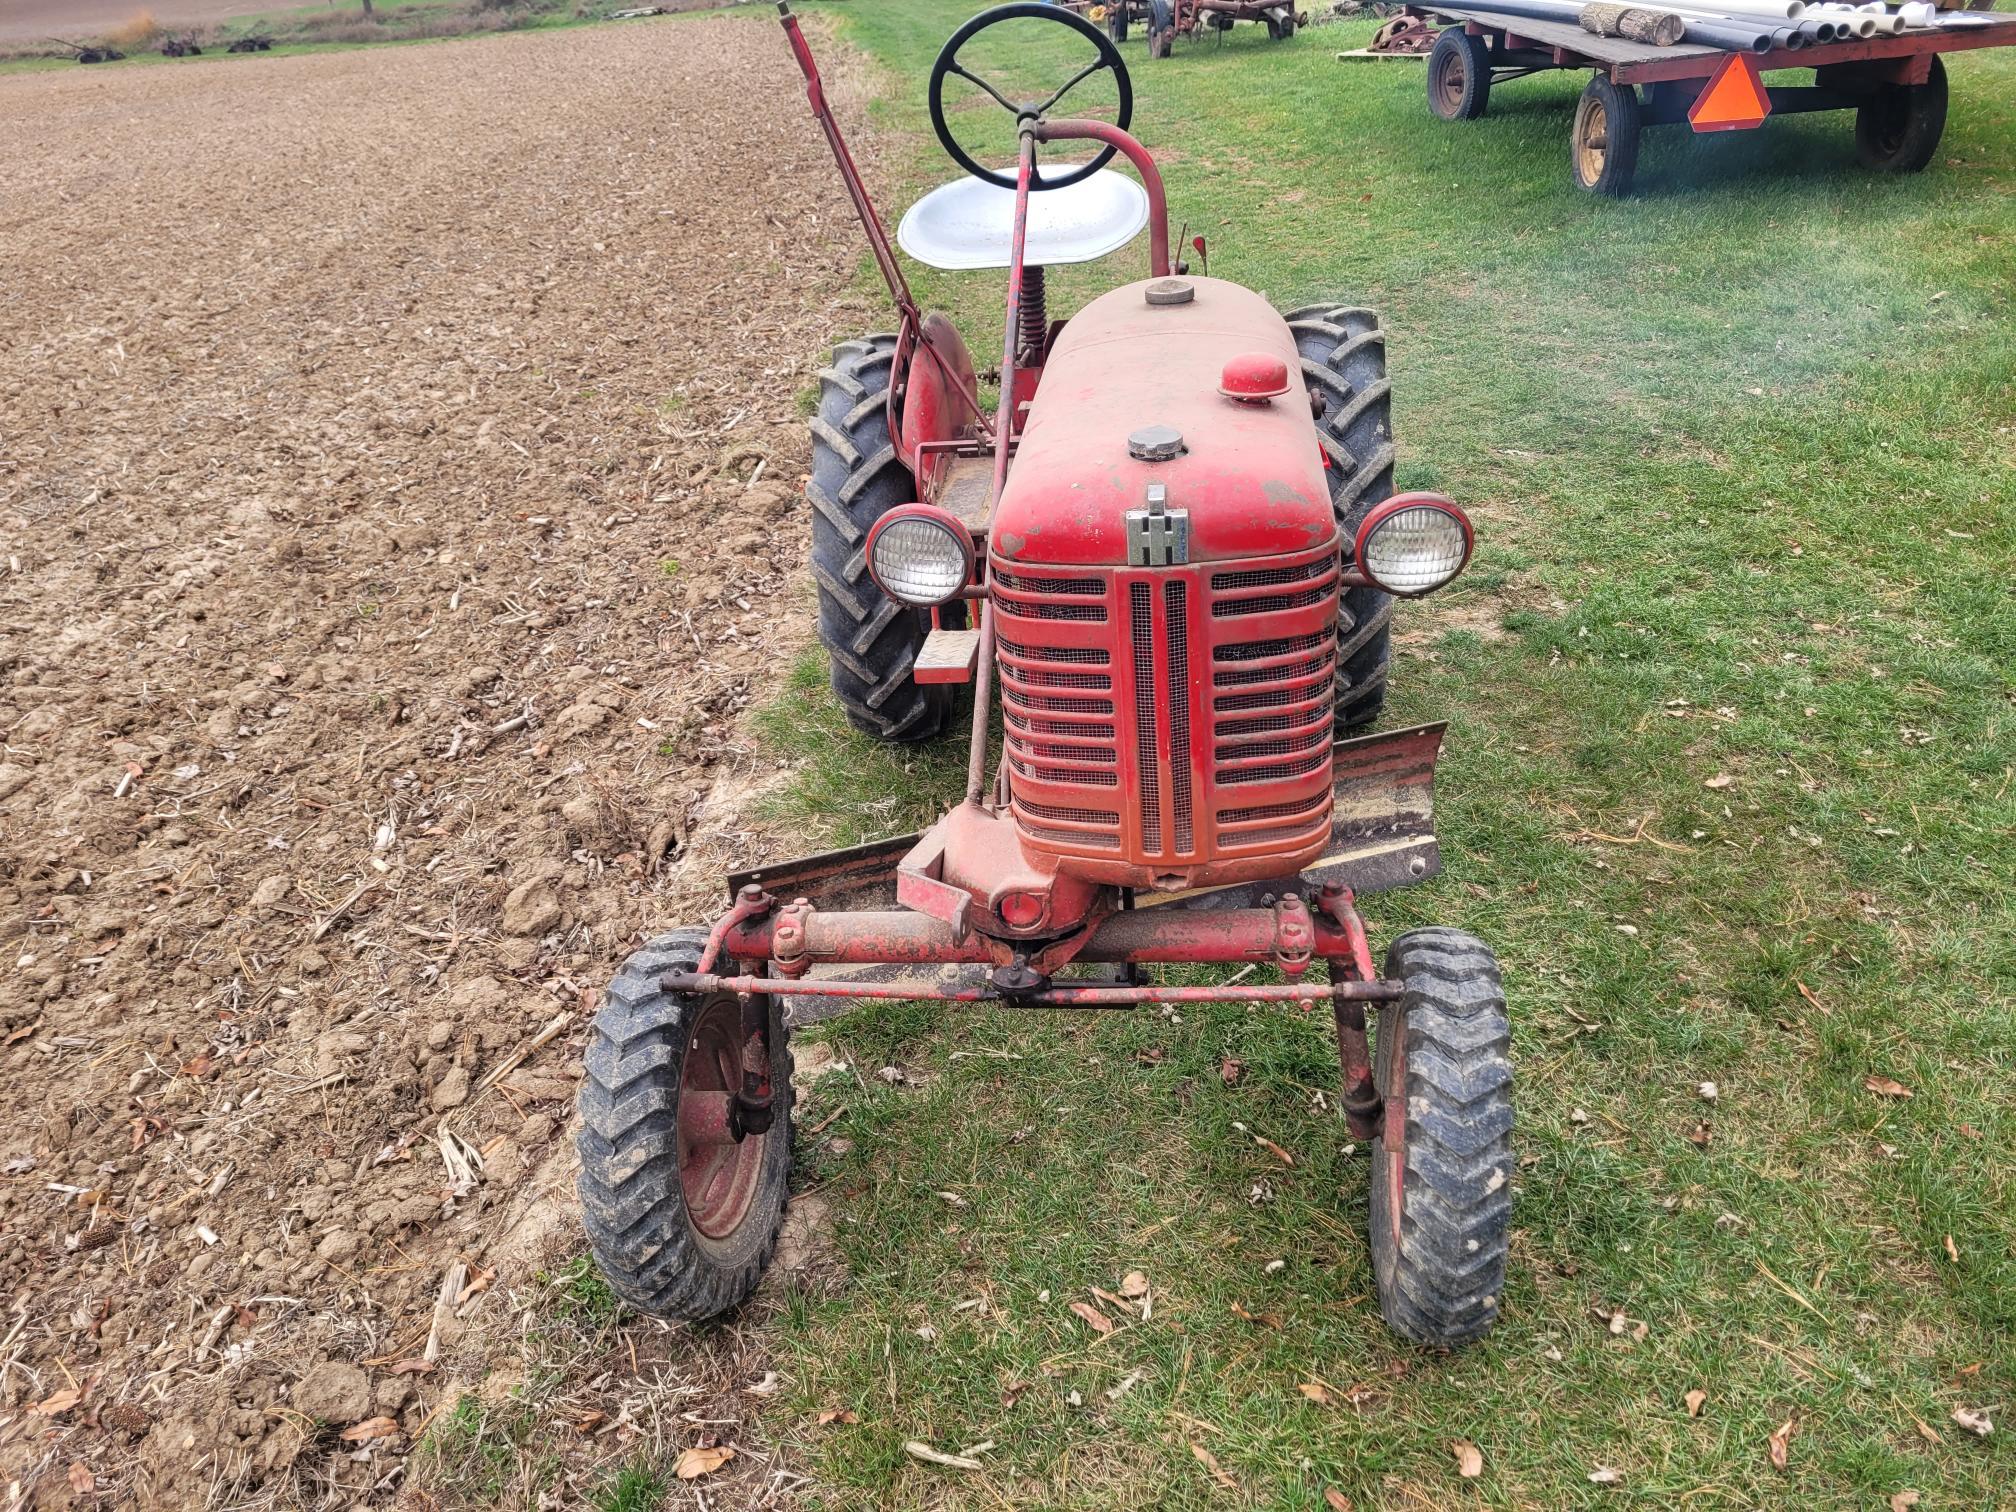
x: 1171, y: 291
x: 1155, y: 443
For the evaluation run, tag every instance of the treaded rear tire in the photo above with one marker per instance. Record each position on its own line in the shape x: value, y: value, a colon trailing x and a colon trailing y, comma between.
x: 1344, y: 364
x: 1450, y: 1096
x: 856, y: 478
x: 632, y: 1202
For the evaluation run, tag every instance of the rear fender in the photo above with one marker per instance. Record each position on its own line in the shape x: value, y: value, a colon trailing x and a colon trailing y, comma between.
x: 932, y: 406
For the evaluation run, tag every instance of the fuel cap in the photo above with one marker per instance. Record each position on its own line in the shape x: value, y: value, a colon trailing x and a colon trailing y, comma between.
x: 1155, y: 443
x: 1171, y: 291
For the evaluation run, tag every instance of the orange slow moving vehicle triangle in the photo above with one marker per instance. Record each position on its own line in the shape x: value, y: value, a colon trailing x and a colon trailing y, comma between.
x: 1734, y: 99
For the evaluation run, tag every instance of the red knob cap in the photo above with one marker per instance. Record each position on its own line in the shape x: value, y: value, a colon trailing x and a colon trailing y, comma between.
x: 1254, y: 378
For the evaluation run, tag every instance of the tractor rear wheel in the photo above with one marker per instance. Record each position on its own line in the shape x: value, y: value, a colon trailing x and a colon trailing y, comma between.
x: 856, y: 478
x: 682, y: 1214
x: 1442, y: 1165
x: 1344, y: 365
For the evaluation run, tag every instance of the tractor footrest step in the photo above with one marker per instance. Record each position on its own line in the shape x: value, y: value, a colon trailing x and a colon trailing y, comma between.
x: 947, y: 656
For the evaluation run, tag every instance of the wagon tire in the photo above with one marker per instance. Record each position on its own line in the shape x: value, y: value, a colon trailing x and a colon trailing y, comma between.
x: 857, y: 477
x: 1281, y: 25
x: 1442, y: 1165
x: 1116, y: 20
x: 1603, y: 143
x: 1459, y: 75
x: 1344, y: 366
x: 692, y: 1241
x: 1898, y: 130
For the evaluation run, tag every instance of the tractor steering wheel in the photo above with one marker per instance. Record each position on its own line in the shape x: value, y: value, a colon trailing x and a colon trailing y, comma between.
x: 1035, y: 10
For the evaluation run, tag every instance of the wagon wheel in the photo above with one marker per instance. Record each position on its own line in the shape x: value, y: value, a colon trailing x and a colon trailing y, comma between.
x: 1898, y: 129
x: 1459, y: 75
x: 1603, y: 144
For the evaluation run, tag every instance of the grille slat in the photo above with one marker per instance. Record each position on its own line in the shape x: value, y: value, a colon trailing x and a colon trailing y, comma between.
x: 1176, y: 604
x: 1143, y: 624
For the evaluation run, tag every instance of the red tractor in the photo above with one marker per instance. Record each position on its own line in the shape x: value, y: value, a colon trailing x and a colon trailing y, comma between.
x: 1166, y: 20
x: 1171, y: 548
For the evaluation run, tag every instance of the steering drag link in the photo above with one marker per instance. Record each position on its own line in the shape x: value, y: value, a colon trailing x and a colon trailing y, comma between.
x: 1053, y: 996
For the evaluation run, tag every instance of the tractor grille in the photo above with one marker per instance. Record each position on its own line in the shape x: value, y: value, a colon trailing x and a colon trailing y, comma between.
x: 1174, y: 715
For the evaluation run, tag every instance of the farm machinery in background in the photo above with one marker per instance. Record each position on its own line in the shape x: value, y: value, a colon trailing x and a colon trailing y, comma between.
x: 1167, y: 556
x: 1166, y: 20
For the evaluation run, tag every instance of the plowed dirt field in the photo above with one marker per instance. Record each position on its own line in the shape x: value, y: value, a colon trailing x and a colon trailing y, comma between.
x: 399, y: 505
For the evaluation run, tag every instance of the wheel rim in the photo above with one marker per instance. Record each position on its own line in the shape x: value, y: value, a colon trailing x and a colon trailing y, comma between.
x: 1592, y: 146
x: 718, y: 1173
x: 1449, y: 83
x: 1393, y: 1129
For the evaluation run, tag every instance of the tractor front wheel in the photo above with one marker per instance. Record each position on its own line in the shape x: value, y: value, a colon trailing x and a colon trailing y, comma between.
x: 856, y: 477
x: 682, y: 1193
x: 1442, y: 1165
x: 1281, y: 24
x: 1344, y: 365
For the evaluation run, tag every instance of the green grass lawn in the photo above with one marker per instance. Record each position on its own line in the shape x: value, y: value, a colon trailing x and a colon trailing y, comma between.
x: 1730, y: 784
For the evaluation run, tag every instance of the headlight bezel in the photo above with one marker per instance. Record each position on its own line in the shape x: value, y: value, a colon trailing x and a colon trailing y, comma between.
x: 944, y: 521
x: 1384, y: 514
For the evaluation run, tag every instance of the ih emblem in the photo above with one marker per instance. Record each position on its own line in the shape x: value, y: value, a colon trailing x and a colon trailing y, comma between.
x: 1158, y: 536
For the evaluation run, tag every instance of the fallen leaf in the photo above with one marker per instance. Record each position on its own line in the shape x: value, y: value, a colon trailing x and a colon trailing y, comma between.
x: 82, y: 1481
x: 1230, y: 1070
x: 1694, y: 1400
x: 199, y: 1066
x: 1099, y: 1322
x: 1807, y: 993
x: 1315, y: 1393
x: 1603, y: 1475
x: 1781, y: 1443
x: 1903, y: 1501
x: 1719, y: 781
x: 696, y: 1462
x: 838, y: 1415
x: 1268, y: 1320
x: 1883, y: 1086
x: 58, y: 1402
x: 412, y: 1367
x: 1210, y: 1462
x: 1336, y: 1500
x: 370, y: 1428
x: 1952, y: 1250
x: 1135, y: 1285
x: 1701, y: 1134
x: 1119, y: 1304
x: 1976, y: 1423
x: 1469, y: 1458
x: 1273, y: 1149
x: 1927, y: 1432
x: 588, y: 1422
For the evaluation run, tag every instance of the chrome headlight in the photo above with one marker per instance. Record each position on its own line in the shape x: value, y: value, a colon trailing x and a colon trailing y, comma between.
x: 1414, y: 543
x: 919, y: 554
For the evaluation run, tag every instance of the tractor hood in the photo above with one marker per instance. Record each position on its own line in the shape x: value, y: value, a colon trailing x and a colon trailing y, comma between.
x: 1249, y: 474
